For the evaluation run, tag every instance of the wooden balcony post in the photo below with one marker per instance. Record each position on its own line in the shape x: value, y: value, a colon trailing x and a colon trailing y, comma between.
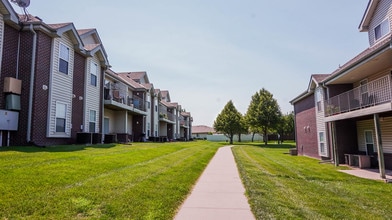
x: 380, y: 152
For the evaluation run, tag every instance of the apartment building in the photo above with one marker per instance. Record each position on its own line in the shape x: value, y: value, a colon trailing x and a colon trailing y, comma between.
x: 57, y: 87
x: 346, y: 116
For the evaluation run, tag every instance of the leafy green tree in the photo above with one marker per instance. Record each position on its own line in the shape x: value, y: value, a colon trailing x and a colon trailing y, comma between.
x: 228, y: 122
x: 244, y: 129
x: 263, y: 113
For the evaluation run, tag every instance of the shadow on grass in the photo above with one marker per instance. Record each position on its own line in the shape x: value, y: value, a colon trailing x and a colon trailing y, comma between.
x: 54, y: 148
x: 269, y: 145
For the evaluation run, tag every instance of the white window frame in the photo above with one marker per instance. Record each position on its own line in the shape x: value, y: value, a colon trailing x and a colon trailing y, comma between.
x: 92, y: 121
x: 61, y: 116
x: 383, y: 29
x: 64, y: 57
x: 322, y: 142
x: 93, y: 74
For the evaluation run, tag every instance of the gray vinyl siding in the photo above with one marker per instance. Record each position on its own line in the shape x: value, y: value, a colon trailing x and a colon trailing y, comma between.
x: 383, y: 11
x: 320, y: 123
x: 92, y: 95
x: 61, y: 87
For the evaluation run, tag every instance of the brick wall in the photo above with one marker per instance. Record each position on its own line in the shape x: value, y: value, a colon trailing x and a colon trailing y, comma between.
x: 78, y: 90
x: 306, y: 128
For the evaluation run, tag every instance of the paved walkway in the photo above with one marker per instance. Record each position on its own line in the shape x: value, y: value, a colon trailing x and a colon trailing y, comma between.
x: 373, y: 174
x: 219, y: 193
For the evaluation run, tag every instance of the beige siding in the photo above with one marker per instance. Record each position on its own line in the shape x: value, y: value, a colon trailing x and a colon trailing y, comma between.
x: 383, y: 11
x: 373, y: 77
x: 118, y: 120
x: 386, y: 134
x: 363, y: 126
x: 162, y: 129
x: 321, y: 127
x: 92, y: 99
x: 61, y: 87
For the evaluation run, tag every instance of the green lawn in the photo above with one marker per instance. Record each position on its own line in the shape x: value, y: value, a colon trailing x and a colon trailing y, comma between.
x: 139, y: 181
x: 280, y: 186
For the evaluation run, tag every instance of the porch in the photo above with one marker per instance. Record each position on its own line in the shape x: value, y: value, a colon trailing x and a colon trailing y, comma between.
x: 372, y: 174
x: 370, y: 98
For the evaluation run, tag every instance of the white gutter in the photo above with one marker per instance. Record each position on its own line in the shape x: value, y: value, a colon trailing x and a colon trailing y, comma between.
x: 30, y: 109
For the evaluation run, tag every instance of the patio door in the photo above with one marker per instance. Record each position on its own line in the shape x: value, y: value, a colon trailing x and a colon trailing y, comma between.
x: 369, y: 142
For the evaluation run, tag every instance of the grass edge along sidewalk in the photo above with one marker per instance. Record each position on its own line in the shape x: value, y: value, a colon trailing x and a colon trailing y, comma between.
x: 139, y: 181
x: 280, y: 186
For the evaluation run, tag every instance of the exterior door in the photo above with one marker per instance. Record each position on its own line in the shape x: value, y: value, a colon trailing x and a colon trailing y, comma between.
x: 369, y: 142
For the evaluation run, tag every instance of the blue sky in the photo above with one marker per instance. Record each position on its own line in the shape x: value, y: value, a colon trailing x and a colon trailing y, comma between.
x: 209, y: 52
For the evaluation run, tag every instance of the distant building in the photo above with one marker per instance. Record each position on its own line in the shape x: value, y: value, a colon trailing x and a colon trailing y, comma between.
x: 201, y: 131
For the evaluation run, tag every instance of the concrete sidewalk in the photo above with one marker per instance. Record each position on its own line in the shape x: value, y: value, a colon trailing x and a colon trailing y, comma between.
x: 219, y: 193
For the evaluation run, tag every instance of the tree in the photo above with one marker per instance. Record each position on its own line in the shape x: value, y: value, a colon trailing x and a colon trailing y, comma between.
x: 244, y: 129
x: 228, y: 122
x: 263, y: 113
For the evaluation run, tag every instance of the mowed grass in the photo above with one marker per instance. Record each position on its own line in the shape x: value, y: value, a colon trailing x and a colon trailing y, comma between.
x: 139, y: 181
x: 280, y: 186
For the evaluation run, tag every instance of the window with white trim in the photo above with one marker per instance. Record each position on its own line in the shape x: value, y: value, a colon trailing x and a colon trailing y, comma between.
x: 322, y: 143
x: 93, y: 121
x: 93, y: 74
x: 382, y: 29
x: 63, y: 58
x: 61, y: 119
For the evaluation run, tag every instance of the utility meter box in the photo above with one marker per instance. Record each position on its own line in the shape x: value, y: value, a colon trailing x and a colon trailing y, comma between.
x: 12, y: 85
x: 12, y: 102
x: 9, y: 120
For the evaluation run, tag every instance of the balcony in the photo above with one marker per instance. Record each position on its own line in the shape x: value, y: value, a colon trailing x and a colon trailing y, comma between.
x: 365, y: 99
x: 167, y: 117
x: 118, y: 99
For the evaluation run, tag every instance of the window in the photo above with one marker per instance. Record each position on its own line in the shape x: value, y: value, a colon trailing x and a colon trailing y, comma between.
x: 92, y: 122
x: 148, y: 105
x: 93, y: 74
x: 61, y: 112
x: 64, y: 59
x: 319, y: 98
x: 381, y: 29
x: 319, y: 106
x: 156, y: 108
x: 322, y: 144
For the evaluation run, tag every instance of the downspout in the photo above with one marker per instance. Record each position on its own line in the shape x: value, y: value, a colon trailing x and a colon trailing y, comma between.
x: 17, y: 55
x: 30, y: 109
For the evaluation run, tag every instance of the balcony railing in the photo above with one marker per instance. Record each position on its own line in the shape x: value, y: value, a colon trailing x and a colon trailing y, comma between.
x: 121, y: 97
x: 373, y: 93
x: 184, y: 123
x: 166, y: 115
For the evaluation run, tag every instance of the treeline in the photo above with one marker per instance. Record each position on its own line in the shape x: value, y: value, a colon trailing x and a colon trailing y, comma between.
x: 263, y: 116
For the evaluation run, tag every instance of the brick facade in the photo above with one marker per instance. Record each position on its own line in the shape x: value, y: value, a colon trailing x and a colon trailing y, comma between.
x: 78, y: 91
x: 305, y: 126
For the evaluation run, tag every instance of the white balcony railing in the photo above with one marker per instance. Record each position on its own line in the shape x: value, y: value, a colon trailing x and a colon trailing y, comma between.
x: 373, y: 93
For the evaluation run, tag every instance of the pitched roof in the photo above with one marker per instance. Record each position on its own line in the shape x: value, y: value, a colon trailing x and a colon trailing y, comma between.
x: 367, y: 16
x: 320, y: 77
x: 202, y: 129
x: 315, y: 79
x: 130, y: 81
